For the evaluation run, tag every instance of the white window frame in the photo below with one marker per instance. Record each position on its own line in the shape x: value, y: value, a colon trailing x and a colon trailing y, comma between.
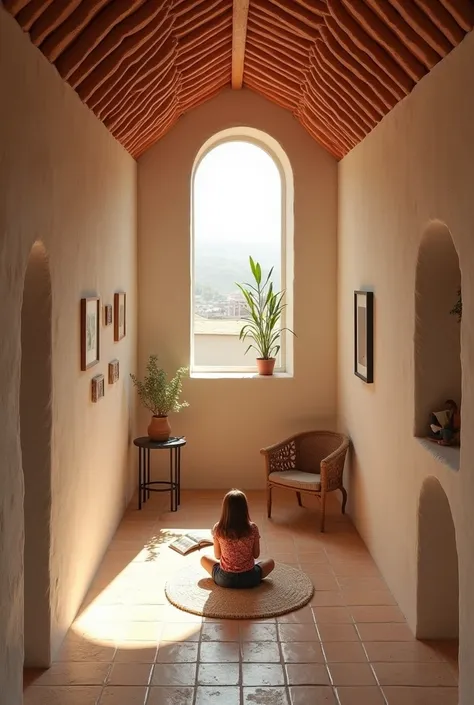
x: 274, y: 150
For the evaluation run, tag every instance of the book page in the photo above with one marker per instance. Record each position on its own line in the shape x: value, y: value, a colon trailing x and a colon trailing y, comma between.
x: 183, y: 544
x: 443, y: 417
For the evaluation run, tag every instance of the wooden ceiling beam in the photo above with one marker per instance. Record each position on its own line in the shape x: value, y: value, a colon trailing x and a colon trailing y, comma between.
x: 240, y: 13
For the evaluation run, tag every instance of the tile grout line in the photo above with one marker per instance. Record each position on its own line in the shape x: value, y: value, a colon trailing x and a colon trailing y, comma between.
x: 283, y: 664
x: 150, y: 678
x: 153, y: 665
x: 198, y: 662
x: 333, y: 687
x: 105, y: 682
x: 241, y: 669
x: 370, y: 663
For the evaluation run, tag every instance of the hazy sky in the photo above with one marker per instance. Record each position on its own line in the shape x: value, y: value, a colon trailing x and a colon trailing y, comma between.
x: 237, y: 196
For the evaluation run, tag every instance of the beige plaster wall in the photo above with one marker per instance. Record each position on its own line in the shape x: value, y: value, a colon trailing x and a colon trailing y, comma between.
x: 229, y: 420
x: 416, y: 166
x: 66, y: 182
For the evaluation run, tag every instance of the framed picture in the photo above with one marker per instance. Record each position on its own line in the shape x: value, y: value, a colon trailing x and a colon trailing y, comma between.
x: 114, y: 371
x: 120, y: 316
x: 98, y: 388
x: 364, y: 335
x: 108, y: 314
x: 90, y: 332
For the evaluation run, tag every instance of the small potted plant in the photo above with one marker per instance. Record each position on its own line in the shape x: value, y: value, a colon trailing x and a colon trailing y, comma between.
x: 265, y: 309
x: 160, y: 397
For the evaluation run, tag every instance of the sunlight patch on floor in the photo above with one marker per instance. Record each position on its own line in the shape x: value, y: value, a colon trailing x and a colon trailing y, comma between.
x: 126, y: 604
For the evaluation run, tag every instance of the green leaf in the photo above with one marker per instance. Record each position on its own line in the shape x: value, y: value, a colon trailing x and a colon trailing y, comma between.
x: 265, y: 308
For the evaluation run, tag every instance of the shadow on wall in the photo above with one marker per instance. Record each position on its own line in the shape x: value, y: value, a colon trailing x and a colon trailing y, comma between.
x: 437, y: 332
x: 35, y: 429
x: 438, y: 582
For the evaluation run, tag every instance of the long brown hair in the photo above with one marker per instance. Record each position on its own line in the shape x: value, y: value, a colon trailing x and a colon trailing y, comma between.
x: 235, y: 519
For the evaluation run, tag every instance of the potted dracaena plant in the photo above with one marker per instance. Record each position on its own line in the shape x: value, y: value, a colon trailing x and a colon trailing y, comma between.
x: 160, y: 396
x: 262, y: 324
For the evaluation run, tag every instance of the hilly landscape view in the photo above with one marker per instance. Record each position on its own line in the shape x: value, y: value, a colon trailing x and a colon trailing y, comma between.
x: 218, y: 266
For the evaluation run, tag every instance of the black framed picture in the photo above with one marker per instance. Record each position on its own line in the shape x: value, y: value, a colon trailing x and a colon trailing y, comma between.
x: 364, y: 335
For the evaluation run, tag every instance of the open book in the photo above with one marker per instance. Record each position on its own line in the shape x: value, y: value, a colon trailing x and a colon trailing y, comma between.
x: 443, y: 418
x: 191, y: 542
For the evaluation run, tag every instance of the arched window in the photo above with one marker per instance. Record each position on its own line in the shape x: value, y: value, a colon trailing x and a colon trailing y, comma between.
x: 242, y: 206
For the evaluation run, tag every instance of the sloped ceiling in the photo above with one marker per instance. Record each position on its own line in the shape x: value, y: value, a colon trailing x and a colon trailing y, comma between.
x: 338, y: 65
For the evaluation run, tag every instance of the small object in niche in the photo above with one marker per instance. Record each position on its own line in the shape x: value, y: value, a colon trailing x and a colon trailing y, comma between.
x: 98, y: 388
x: 445, y: 425
x: 191, y: 542
x: 108, y: 314
x: 457, y: 308
x: 120, y: 316
x: 114, y: 371
x: 90, y: 332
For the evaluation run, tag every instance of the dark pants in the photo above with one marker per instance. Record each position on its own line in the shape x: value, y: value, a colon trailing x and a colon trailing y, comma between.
x: 247, y: 579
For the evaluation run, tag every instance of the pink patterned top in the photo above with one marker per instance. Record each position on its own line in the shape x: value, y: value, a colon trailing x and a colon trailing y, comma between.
x: 237, y: 554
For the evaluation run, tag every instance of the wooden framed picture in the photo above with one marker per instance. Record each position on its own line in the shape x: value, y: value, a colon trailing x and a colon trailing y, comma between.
x: 364, y: 335
x: 120, y: 316
x: 97, y: 388
x: 108, y: 314
x: 90, y: 332
x: 114, y: 371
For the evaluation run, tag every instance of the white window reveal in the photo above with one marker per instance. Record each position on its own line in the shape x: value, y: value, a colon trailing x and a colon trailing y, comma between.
x: 242, y: 206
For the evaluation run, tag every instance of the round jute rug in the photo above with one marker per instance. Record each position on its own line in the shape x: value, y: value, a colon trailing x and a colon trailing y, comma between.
x: 286, y: 589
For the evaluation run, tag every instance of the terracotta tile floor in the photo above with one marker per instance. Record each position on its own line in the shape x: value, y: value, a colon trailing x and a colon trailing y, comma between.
x: 350, y: 646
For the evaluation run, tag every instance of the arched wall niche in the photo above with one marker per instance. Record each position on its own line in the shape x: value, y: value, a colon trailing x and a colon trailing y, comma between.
x: 438, y: 581
x: 437, y: 344
x: 35, y: 430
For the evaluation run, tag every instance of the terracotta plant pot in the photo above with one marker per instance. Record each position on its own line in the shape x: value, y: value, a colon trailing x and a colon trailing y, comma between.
x: 265, y: 366
x: 159, y: 428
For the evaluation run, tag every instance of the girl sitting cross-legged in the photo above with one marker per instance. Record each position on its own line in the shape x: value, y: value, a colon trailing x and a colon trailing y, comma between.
x: 236, y: 546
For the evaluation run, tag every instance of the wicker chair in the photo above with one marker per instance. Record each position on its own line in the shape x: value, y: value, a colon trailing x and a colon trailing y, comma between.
x: 311, y: 463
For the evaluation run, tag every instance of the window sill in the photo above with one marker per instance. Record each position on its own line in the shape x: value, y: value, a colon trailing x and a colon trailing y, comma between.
x: 239, y: 375
x: 447, y: 455
x: 217, y: 333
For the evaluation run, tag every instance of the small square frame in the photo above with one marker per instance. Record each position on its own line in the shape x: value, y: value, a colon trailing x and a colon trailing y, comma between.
x: 120, y: 315
x: 97, y: 388
x: 364, y: 335
x: 114, y: 371
x: 90, y: 332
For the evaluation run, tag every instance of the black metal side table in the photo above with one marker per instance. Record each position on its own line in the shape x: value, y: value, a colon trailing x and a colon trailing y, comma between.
x: 173, y: 485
